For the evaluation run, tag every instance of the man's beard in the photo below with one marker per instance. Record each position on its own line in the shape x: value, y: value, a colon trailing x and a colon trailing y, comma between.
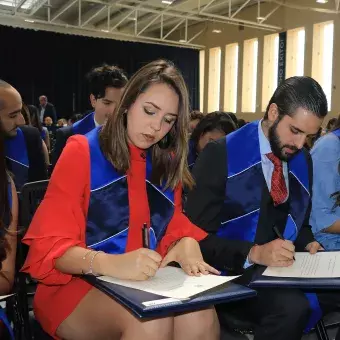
x: 276, y: 145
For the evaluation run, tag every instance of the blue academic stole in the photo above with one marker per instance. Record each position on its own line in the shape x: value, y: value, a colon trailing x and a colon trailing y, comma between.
x: 85, y: 125
x: 337, y: 133
x: 243, y: 194
x: 108, y: 213
x: 17, y: 157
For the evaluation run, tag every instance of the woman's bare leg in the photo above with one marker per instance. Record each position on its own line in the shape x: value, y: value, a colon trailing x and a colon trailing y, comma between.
x: 97, y: 316
x: 199, y: 325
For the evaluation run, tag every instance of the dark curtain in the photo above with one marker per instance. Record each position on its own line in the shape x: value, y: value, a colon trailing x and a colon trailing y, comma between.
x: 53, y: 64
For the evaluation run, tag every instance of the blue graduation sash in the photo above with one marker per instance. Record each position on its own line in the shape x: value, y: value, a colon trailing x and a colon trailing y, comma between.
x: 243, y: 194
x: 16, y: 154
x: 85, y: 125
x: 336, y: 132
x: 108, y: 213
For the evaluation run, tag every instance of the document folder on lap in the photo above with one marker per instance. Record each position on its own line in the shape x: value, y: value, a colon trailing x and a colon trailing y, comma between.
x: 319, y: 271
x: 147, y: 305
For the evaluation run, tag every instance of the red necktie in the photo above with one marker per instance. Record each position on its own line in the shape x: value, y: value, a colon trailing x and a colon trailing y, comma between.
x: 278, y: 189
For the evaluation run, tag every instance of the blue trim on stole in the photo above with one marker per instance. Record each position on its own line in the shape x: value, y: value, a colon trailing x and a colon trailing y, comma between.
x: 108, y: 213
x: 85, y: 125
x: 16, y: 154
x: 4, y: 319
x: 244, y: 188
x: 337, y: 133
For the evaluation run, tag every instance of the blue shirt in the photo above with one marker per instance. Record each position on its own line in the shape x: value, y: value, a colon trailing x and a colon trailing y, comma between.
x: 268, y: 166
x: 326, y: 181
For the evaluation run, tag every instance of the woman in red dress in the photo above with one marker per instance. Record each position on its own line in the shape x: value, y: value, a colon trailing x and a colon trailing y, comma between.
x: 105, y: 187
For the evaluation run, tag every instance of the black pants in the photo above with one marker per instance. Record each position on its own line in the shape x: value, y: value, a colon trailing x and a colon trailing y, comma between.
x: 280, y: 314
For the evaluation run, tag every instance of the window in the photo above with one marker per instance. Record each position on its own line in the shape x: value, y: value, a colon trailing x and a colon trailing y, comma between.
x: 214, y: 79
x: 270, y: 68
x: 250, y: 52
x: 323, y: 57
x: 202, y: 70
x: 230, y: 78
x: 295, y: 52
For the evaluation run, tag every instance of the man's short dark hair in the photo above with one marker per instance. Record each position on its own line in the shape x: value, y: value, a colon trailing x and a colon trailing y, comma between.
x: 103, y: 77
x: 299, y: 92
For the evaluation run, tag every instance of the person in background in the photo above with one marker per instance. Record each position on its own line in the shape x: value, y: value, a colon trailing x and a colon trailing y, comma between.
x: 325, y: 214
x: 23, y: 145
x: 106, y: 86
x: 257, y: 178
x: 35, y: 121
x: 46, y: 109
x: 25, y: 115
x: 331, y: 124
x: 241, y: 122
x: 195, y: 118
x: 8, y: 233
x: 74, y: 118
x: 62, y: 122
x: 127, y: 179
x: 212, y: 127
x: 34, y: 118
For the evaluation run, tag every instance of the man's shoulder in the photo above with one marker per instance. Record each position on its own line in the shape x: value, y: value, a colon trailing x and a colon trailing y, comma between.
x: 30, y: 131
x: 65, y: 132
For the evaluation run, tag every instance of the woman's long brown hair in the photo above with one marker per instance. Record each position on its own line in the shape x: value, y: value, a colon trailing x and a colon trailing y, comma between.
x: 169, y: 165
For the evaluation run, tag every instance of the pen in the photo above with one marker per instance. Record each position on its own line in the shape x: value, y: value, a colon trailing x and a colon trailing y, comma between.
x: 145, y: 236
x: 279, y: 235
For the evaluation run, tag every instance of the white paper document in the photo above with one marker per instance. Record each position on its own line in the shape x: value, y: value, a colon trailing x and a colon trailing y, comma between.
x: 319, y: 265
x: 173, y: 283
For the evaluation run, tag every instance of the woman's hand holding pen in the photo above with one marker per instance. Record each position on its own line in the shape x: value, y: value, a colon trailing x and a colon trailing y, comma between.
x: 188, y: 254
x: 277, y: 253
x: 136, y: 265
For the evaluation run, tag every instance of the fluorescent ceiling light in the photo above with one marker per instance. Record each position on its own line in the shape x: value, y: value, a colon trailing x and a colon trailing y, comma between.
x: 32, y: 21
x: 106, y: 31
x: 182, y: 40
x: 322, y: 1
x: 167, y: 2
x: 132, y: 18
x: 216, y: 31
x: 261, y: 18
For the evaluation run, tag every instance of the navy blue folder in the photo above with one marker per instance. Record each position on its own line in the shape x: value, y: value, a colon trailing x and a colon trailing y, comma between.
x: 133, y: 298
x: 260, y: 280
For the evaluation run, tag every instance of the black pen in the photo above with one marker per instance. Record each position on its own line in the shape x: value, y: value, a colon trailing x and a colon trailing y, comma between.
x: 279, y: 235
x: 145, y: 236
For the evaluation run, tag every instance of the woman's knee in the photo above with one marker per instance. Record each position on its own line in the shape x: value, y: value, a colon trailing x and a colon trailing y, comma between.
x: 156, y: 329
x: 198, y: 325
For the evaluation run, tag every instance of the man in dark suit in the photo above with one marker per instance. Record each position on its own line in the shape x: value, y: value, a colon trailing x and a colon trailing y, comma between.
x: 23, y: 145
x: 46, y: 109
x: 106, y: 84
x: 252, y: 183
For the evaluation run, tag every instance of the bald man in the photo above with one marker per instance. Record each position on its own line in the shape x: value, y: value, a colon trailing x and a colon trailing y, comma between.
x: 23, y: 144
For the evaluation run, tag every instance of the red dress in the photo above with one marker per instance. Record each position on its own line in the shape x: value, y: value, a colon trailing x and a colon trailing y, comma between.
x: 60, y: 223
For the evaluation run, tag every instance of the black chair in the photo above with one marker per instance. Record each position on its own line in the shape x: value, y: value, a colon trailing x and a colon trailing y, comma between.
x: 243, y: 326
x: 29, y: 199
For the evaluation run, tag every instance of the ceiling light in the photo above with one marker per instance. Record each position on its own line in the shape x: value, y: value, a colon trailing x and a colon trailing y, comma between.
x: 32, y: 21
x: 167, y: 2
x: 132, y: 18
x: 216, y: 31
x: 106, y: 31
x: 261, y: 18
x: 182, y: 40
x: 322, y: 1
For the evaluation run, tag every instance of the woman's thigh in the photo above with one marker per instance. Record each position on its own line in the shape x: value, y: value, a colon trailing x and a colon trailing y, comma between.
x: 97, y: 316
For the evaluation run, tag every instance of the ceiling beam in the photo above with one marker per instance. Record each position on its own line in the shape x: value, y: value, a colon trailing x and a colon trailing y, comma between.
x: 240, y: 8
x: 84, y: 23
x: 63, y: 9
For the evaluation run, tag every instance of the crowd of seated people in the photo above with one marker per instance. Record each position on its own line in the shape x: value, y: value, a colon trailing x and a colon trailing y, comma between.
x: 120, y: 150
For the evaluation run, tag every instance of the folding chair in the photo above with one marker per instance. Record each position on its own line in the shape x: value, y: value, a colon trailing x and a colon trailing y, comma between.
x: 29, y: 199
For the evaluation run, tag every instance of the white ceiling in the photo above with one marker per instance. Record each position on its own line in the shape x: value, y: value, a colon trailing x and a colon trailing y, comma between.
x: 140, y: 20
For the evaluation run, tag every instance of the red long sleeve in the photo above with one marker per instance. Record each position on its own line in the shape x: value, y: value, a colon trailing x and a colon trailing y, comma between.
x: 60, y: 220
